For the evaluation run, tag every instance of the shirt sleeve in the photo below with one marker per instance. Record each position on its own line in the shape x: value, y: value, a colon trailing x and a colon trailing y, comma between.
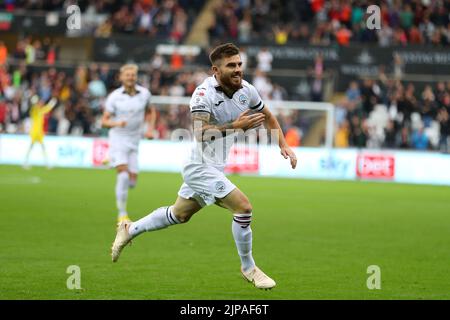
x: 199, y: 101
x: 47, y: 109
x: 256, y: 102
x: 109, y: 104
x: 49, y: 106
x: 149, y: 99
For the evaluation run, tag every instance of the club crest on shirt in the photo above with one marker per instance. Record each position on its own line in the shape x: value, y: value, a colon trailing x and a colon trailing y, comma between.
x: 243, y: 99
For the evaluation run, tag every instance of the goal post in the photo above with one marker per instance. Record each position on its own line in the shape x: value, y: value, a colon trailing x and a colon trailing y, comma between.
x: 274, y: 105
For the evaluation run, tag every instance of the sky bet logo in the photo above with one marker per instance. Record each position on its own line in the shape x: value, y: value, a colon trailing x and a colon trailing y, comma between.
x: 332, y: 163
x: 71, y: 152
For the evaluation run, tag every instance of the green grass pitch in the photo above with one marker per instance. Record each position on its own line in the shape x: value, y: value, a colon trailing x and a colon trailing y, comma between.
x: 315, y: 238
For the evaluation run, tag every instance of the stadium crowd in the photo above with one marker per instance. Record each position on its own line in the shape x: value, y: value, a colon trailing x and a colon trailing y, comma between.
x: 373, y: 113
x: 81, y: 93
x: 387, y: 113
x: 384, y: 112
x: 393, y: 114
x: 318, y: 22
x: 168, y: 19
x: 322, y: 22
x: 81, y: 97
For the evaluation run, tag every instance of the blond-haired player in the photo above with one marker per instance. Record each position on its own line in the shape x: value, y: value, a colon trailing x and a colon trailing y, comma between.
x: 125, y: 113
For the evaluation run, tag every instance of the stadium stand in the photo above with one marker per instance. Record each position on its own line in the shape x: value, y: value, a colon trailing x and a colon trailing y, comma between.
x: 292, y: 50
x: 327, y: 22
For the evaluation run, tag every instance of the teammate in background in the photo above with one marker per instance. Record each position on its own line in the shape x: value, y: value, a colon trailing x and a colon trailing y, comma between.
x: 221, y: 103
x: 126, y: 112
x: 37, y: 114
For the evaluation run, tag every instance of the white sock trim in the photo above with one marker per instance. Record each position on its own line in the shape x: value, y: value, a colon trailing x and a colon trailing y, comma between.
x: 243, y: 219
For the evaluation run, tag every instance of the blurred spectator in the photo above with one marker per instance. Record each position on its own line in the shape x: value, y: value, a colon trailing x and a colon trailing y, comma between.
x: 279, y: 93
x: 281, y: 34
x: 144, y: 15
x: 104, y: 30
x: 293, y: 137
x: 369, y: 95
x: 398, y: 67
x: 3, y: 114
x: 385, y: 36
x: 176, y: 61
x: 97, y: 90
x: 444, y: 130
x: 343, y: 36
x: 30, y: 52
x: 317, y: 89
x: 244, y: 58
x: 157, y: 62
x: 390, y: 136
x: 245, y: 27
x: 358, y: 132
x: 3, y: 53
x: 353, y: 93
x: 415, y: 37
x: 427, y: 29
x: 262, y: 84
x: 106, y: 76
x: 419, y: 140
x: 341, y: 139
x: 406, y: 17
x: 264, y: 60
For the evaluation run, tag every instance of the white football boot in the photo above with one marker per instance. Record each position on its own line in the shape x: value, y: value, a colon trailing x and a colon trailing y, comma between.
x: 258, y: 278
x: 121, y: 240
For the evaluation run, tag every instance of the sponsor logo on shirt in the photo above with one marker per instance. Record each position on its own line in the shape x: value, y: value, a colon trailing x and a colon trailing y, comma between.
x: 198, y: 107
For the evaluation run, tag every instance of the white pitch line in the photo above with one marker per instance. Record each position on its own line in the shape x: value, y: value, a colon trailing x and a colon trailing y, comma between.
x: 14, y: 180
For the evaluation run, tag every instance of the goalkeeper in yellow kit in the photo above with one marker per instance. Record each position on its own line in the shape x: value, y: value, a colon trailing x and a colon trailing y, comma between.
x: 37, y: 113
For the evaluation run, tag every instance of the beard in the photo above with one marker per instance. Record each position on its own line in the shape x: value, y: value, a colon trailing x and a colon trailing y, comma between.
x: 230, y: 82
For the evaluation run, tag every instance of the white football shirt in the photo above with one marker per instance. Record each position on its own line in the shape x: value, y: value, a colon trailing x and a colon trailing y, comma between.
x: 131, y: 109
x: 209, y: 97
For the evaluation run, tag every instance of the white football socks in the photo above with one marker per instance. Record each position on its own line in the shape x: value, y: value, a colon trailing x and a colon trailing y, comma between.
x: 159, y: 219
x: 242, y: 234
x: 122, y: 192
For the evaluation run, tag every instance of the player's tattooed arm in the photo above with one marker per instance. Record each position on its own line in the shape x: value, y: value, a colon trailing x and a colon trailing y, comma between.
x: 203, y: 130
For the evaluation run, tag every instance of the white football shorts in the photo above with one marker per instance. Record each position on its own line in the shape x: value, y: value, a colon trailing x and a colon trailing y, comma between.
x: 204, y: 183
x: 123, y: 153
